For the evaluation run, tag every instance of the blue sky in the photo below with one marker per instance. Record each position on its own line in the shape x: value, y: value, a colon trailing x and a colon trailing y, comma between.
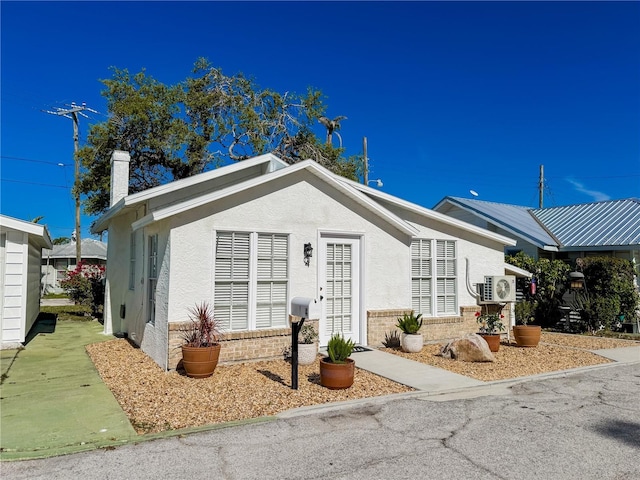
x: 452, y: 96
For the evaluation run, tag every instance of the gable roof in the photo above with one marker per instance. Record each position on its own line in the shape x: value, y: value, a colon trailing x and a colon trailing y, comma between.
x: 513, y: 218
x: 39, y: 232
x: 216, y: 178
x: 613, y: 223
x: 90, y: 249
x: 232, y: 179
x: 307, y: 165
x: 596, y: 224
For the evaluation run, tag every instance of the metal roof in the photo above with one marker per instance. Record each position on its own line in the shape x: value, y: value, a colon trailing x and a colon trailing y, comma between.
x: 597, y: 224
x: 90, y: 249
x: 512, y: 218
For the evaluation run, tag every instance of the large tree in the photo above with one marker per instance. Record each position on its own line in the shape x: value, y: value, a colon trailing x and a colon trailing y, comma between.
x: 206, y: 120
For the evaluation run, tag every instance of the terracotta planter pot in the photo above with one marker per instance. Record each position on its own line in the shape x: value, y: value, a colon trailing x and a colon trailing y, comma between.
x: 200, y: 362
x: 527, y: 335
x: 336, y: 376
x: 307, y: 353
x: 493, y: 340
x: 411, y: 343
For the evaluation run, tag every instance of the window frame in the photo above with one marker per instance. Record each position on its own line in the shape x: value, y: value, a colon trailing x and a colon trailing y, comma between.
x: 253, y: 281
x: 437, y: 275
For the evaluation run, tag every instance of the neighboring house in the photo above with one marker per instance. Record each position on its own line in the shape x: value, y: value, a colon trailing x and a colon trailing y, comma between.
x: 60, y: 259
x: 21, y: 245
x: 249, y: 237
x: 609, y: 228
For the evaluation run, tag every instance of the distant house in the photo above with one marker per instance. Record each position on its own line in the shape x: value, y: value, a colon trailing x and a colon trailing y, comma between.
x: 57, y: 261
x: 21, y: 245
x: 250, y: 236
x: 608, y: 228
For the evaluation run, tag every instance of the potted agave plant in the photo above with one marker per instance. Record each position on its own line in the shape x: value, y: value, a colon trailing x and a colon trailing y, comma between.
x: 411, y: 338
x: 307, y: 345
x: 490, y: 327
x: 337, y: 369
x: 525, y: 335
x: 201, y: 342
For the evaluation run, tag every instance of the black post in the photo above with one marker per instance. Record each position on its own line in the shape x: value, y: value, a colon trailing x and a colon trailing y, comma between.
x: 295, y: 329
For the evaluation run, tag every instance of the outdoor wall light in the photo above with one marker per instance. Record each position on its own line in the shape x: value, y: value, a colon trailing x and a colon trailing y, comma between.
x: 308, y: 253
x: 378, y: 182
x: 576, y: 280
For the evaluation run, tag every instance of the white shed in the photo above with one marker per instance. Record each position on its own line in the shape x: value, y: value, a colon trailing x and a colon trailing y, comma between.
x: 240, y: 236
x: 21, y: 245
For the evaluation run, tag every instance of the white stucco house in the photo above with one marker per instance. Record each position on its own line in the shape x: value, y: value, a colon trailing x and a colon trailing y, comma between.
x: 21, y: 245
x: 240, y: 236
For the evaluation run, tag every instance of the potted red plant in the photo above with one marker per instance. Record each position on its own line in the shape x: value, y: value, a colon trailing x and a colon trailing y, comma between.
x: 201, y: 342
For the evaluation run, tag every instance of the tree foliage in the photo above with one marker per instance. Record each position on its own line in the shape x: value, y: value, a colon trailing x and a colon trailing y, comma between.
x: 551, y: 281
x: 207, y: 120
x: 611, y: 291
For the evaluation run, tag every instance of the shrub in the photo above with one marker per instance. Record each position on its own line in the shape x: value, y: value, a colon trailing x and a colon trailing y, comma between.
x: 610, y: 287
x: 551, y: 282
x: 391, y: 339
x: 85, y: 286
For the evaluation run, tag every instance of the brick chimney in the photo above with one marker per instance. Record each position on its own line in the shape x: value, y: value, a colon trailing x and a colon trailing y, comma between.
x: 119, y: 176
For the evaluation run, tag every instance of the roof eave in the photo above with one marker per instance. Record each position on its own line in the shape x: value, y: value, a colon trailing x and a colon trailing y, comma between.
x: 433, y: 215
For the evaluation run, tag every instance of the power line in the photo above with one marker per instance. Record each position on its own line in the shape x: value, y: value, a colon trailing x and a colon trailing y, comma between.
x: 59, y: 164
x: 35, y: 183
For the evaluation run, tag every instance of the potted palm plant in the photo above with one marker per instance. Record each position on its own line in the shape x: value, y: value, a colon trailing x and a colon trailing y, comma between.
x: 307, y: 345
x: 201, y: 342
x: 410, y: 340
x: 337, y: 369
x: 490, y: 327
x: 525, y: 335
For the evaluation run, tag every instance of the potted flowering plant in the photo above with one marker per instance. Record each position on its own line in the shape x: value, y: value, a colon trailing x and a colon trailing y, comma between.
x: 201, y: 342
x: 490, y: 327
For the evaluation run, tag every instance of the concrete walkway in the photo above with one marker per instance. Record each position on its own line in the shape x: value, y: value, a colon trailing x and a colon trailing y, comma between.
x: 413, y: 374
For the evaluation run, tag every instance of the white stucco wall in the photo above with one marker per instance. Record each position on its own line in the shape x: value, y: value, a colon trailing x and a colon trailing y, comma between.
x: 299, y: 205
x: 303, y: 210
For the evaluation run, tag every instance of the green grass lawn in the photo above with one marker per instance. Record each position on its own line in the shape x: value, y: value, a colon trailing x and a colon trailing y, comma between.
x: 78, y: 313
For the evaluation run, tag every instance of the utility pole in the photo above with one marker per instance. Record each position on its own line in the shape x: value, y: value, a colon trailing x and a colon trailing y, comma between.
x: 72, y: 112
x: 541, y: 188
x: 366, y: 161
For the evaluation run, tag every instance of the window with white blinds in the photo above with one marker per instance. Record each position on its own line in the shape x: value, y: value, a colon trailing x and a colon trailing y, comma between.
x: 446, y: 277
x: 427, y: 256
x: 421, y: 277
x: 251, y: 280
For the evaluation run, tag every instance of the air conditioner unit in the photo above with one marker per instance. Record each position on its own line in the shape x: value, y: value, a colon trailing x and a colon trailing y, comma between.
x: 499, y: 289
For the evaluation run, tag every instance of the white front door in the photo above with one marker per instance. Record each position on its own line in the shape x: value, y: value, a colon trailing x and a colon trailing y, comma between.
x: 339, y: 283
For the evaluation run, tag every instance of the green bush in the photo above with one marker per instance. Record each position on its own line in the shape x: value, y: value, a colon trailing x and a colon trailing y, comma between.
x: 610, y: 292
x: 599, y: 313
x: 551, y: 283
